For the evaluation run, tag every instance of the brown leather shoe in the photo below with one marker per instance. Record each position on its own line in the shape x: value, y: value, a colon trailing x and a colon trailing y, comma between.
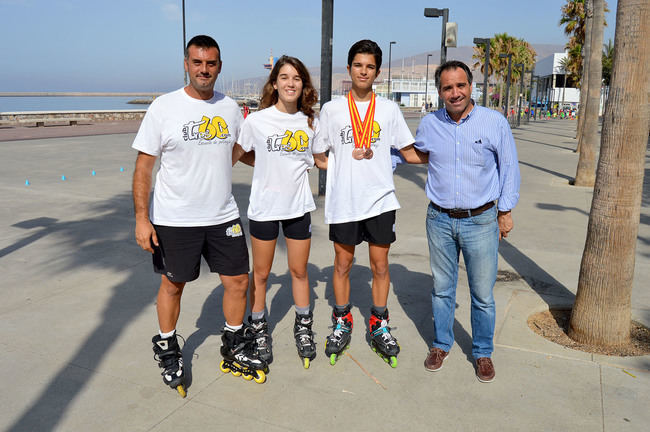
x: 485, y: 369
x: 434, y: 360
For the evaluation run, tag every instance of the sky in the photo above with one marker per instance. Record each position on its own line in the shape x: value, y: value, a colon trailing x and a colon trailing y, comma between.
x: 137, y: 45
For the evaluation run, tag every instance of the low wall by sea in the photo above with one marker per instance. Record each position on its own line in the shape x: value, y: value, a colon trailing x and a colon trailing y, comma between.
x: 89, y: 115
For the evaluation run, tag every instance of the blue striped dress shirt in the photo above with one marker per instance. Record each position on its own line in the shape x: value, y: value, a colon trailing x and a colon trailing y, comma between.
x: 471, y: 162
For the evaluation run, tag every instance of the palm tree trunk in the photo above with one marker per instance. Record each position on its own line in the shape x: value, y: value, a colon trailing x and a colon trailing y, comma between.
x: 586, y: 171
x: 584, y: 82
x: 601, y: 314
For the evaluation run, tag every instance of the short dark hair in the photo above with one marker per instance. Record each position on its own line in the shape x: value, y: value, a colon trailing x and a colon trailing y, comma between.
x: 202, y: 41
x: 365, y: 46
x: 452, y: 64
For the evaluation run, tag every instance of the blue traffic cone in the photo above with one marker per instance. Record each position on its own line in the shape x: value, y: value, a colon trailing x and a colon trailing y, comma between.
x: 26, y: 182
x: 121, y: 169
x: 63, y: 177
x: 93, y: 173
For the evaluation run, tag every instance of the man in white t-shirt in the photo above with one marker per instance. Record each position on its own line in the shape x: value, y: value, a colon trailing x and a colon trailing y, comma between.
x: 193, y: 213
x: 360, y: 201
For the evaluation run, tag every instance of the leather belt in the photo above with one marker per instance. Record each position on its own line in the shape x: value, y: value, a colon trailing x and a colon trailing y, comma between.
x: 462, y: 213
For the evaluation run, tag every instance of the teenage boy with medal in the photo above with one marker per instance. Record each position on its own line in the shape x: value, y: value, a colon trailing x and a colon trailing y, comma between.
x: 360, y: 201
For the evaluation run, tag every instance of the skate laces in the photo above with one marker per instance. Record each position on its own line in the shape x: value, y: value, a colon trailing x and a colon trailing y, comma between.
x: 339, y: 328
x: 305, y: 336
x: 384, y: 331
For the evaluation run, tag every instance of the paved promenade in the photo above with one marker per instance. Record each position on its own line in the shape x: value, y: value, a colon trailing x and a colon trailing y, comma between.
x: 78, y: 312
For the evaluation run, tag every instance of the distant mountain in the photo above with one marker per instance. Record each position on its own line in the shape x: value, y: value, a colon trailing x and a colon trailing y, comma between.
x: 407, y: 67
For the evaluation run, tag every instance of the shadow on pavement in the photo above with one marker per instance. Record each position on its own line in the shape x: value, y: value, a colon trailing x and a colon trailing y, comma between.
x: 546, y: 170
x: 128, y: 299
x: 536, y: 277
x: 413, y: 291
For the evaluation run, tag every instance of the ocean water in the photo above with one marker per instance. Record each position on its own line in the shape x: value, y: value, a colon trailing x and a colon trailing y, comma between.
x: 69, y: 103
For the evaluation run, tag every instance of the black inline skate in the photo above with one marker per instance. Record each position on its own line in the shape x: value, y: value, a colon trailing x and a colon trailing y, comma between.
x: 170, y: 359
x: 381, y: 341
x: 305, y: 338
x: 263, y: 342
x: 240, y: 356
x: 339, y: 340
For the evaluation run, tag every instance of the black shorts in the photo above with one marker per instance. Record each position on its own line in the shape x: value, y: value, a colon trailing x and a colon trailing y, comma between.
x: 297, y: 228
x: 377, y: 230
x: 179, y: 255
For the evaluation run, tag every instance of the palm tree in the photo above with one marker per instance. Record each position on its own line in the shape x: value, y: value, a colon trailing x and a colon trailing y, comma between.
x: 573, y: 19
x: 586, y: 170
x: 602, y: 310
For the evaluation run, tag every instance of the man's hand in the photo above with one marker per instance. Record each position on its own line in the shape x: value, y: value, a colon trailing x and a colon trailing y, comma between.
x: 504, y: 219
x: 145, y: 234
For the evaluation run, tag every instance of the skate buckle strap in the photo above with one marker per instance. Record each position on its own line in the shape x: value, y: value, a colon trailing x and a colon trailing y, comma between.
x: 381, y: 329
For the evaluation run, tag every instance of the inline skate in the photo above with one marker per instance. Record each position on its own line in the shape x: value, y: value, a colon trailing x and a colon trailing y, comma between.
x: 263, y: 342
x: 305, y: 338
x: 381, y: 341
x: 240, y: 356
x: 170, y: 359
x: 339, y: 340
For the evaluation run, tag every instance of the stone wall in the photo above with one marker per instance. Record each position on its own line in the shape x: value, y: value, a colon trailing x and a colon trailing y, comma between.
x: 91, y: 116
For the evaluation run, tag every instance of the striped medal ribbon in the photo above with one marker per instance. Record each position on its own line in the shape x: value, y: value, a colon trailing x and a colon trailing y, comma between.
x: 361, y: 131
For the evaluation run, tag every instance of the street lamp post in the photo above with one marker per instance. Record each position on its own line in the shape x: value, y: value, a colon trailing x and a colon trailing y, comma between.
x: 426, y: 85
x: 536, y: 98
x: 530, y: 92
x: 486, y: 86
x: 327, y: 31
x: 444, y: 13
x: 521, y: 91
x: 390, y: 52
x: 184, y: 71
x: 509, y: 56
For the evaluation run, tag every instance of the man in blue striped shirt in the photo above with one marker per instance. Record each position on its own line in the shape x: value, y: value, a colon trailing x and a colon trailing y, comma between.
x: 473, y: 184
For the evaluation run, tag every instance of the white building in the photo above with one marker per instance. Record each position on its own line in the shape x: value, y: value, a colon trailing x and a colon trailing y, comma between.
x: 410, y: 92
x: 554, y: 88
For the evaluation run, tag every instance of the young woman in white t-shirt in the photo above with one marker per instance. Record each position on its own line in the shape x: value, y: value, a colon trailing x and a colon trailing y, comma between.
x: 281, y: 135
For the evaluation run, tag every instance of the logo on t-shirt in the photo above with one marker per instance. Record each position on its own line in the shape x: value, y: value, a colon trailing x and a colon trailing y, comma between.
x: 288, y: 142
x: 347, y: 137
x: 206, y: 129
x: 234, y: 231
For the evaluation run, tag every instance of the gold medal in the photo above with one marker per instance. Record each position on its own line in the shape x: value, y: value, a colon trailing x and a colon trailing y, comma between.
x: 361, y: 131
x: 358, y: 153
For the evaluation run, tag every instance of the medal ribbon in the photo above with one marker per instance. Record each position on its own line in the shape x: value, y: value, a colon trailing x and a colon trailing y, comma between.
x: 361, y: 131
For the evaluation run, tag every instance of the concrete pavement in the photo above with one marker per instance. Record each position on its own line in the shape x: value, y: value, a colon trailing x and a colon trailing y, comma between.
x: 78, y: 313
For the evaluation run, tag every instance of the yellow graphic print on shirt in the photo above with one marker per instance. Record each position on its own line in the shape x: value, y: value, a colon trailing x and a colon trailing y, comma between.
x: 288, y: 142
x: 206, y: 129
x: 347, y: 138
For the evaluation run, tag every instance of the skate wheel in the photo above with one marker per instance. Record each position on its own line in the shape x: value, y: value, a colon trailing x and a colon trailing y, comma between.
x: 235, y: 373
x: 332, y: 359
x: 247, y: 377
x: 374, y: 349
x: 305, y: 363
x: 385, y: 359
x: 223, y: 367
x: 181, y: 390
x: 393, y: 362
x: 260, y: 378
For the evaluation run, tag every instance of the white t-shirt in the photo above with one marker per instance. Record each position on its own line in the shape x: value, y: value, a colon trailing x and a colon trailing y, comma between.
x: 194, y: 139
x: 282, y: 144
x: 360, y: 189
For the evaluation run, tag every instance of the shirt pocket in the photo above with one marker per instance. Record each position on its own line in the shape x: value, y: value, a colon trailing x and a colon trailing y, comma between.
x: 478, y: 153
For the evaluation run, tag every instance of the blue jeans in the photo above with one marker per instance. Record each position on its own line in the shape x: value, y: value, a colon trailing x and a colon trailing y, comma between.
x: 478, y: 238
